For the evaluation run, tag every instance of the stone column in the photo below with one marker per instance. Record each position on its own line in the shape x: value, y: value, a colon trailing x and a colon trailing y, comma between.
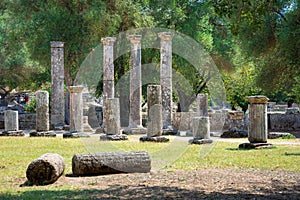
x: 154, y: 124
x: 202, y: 105
x: 166, y: 76
x: 76, y: 108
x: 113, y: 123
x: 258, y: 125
x: 135, y: 117
x: 11, y: 120
x: 201, y: 128
x: 57, y: 87
x: 42, y: 111
x: 86, y: 99
x: 108, y: 71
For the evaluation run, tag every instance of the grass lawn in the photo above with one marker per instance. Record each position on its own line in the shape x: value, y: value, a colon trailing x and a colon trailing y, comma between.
x: 17, y: 152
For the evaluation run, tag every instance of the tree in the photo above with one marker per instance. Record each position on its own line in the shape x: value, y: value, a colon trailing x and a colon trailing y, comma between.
x: 264, y: 30
x: 17, y: 69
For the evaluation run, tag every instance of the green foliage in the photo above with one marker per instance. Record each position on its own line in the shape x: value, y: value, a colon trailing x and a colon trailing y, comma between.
x: 288, y: 137
x: 30, y: 107
x: 240, y: 85
x: 236, y: 33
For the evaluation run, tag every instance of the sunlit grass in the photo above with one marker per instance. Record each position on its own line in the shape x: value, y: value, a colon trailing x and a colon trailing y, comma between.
x: 17, y: 152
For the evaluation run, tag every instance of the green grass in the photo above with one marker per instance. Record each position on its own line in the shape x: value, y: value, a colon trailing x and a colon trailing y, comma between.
x: 17, y: 152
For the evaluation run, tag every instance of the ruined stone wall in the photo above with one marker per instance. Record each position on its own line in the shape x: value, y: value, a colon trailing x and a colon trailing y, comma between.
x: 26, y: 121
x: 284, y: 122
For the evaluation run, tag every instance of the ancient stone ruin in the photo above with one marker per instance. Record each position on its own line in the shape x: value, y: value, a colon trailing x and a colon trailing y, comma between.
x: 45, y: 170
x: 258, y: 127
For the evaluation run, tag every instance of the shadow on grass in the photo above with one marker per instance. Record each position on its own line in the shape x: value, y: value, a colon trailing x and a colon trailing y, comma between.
x: 292, y: 154
x: 238, y: 149
x: 151, y: 192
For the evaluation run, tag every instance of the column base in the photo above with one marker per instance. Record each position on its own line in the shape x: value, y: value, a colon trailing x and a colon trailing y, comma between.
x: 75, y: 134
x: 154, y: 139
x: 42, y: 134
x: 200, y: 141
x: 256, y: 146
x: 113, y: 137
x: 12, y: 133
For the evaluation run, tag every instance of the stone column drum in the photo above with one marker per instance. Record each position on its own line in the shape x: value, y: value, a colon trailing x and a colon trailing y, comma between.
x: 76, y: 108
x: 11, y: 120
x: 201, y: 128
x: 166, y: 76
x: 202, y: 105
x: 42, y: 111
x: 258, y: 125
x: 154, y: 124
x: 108, y: 71
x: 57, y: 87
x: 113, y: 123
x: 135, y: 116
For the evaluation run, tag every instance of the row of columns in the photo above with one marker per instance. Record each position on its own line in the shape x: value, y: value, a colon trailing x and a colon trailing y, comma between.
x: 135, y: 116
x: 257, y: 104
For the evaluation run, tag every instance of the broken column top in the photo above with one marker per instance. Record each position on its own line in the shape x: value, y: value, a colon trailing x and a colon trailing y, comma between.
x: 135, y: 38
x: 108, y: 40
x: 57, y: 44
x: 75, y: 89
x: 166, y: 35
x: 259, y: 99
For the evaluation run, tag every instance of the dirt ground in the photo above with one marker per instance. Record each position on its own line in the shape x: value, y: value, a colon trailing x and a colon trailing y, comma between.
x: 201, y: 184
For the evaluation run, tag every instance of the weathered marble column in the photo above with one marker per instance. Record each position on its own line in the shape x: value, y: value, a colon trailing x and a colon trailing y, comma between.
x: 108, y: 71
x: 135, y: 116
x: 87, y: 100
x: 57, y: 87
x: 11, y: 120
x: 258, y: 125
x: 113, y: 123
x: 76, y: 108
x: 154, y: 123
x: 166, y: 76
x: 202, y: 105
x: 201, y: 128
x: 42, y: 111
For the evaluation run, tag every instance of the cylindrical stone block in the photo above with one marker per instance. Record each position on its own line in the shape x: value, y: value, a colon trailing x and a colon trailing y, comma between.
x: 258, y: 122
x: 11, y: 120
x: 166, y: 76
x: 202, y: 105
x: 42, y: 111
x: 108, y: 71
x: 76, y: 108
x: 112, y: 114
x: 201, y: 127
x: 135, y: 117
x: 57, y: 87
x: 154, y: 123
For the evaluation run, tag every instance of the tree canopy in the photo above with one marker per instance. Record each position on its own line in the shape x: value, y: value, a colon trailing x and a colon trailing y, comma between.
x: 255, y: 44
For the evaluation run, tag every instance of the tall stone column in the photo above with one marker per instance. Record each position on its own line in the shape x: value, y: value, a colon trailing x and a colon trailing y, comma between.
x: 113, y: 123
x: 135, y: 117
x: 42, y: 111
x: 166, y: 76
x: 57, y: 87
x: 202, y: 105
x: 108, y: 71
x: 76, y: 108
x: 258, y: 126
x: 154, y: 123
x: 11, y: 120
x: 201, y: 127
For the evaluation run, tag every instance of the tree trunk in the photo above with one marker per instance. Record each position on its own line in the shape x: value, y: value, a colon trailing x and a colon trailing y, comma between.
x: 109, y: 163
x: 45, y: 169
